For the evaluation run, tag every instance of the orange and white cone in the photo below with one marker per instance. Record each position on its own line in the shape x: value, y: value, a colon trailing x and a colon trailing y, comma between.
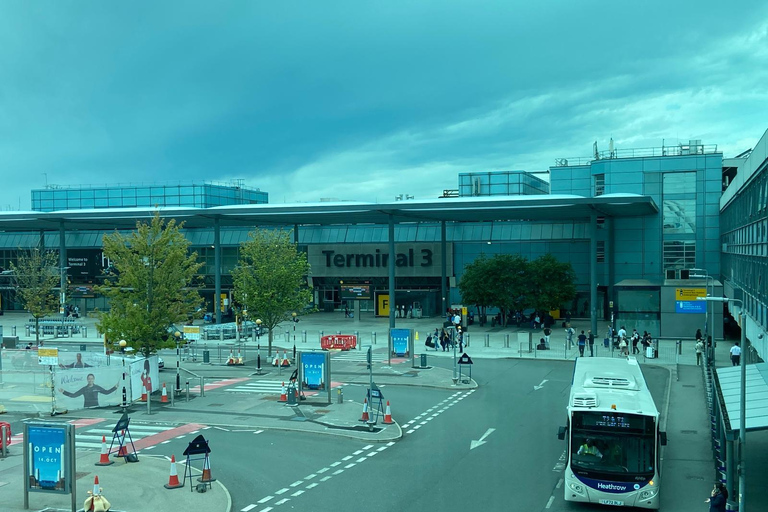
x: 173, y: 480
x: 164, y: 396
x: 388, y: 415
x: 286, y: 361
x: 239, y: 358
x: 231, y: 359
x: 365, y: 411
x: 283, y: 394
x: 144, y: 395
x: 104, y: 459
x: 96, y: 488
x: 206, y: 476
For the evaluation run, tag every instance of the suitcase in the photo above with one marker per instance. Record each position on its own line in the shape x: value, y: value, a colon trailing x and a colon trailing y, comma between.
x: 650, y: 353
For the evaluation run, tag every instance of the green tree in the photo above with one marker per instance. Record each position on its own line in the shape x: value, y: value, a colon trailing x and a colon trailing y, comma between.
x: 151, y: 285
x: 475, y: 284
x: 270, y: 279
x: 36, y: 274
x: 500, y: 281
x: 553, y: 283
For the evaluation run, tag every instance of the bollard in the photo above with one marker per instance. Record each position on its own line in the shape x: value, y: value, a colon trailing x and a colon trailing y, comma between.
x: 340, y: 396
x: 680, y: 347
x: 506, y: 341
x: 287, y: 337
x: 85, y: 331
x: 14, y: 330
x: 304, y: 336
x: 221, y: 337
x: 466, y: 340
x: 149, y: 404
x: 4, y: 436
x: 202, y: 386
x: 187, y: 391
x: 487, y: 340
x: 373, y: 337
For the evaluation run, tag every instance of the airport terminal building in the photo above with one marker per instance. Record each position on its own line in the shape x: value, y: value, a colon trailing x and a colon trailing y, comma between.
x: 645, y: 230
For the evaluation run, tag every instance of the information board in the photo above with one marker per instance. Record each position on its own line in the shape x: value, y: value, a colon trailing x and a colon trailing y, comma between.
x: 355, y: 292
x: 48, y: 455
x: 690, y: 306
x: 686, y: 294
x: 192, y: 332
x: 400, y: 341
x: 48, y: 356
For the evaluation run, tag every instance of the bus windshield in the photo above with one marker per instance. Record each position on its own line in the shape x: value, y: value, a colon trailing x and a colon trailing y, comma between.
x: 614, y: 443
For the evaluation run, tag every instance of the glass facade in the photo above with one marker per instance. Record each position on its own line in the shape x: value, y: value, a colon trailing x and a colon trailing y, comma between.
x: 501, y: 183
x: 197, y: 195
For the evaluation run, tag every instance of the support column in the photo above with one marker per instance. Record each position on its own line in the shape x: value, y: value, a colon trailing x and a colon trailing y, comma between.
x: 296, y: 234
x: 593, y: 273
x: 217, y: 271
x: 730, y: 474
x: 392, y: 258
x: 443, y: 270
x: 610, y: 260
x: 62, y: 268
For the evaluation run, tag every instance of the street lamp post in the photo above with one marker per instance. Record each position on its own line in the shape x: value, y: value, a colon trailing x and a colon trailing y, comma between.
x: 258, y: 346
x: 742, y: 402
x: 177, y: 335
x: 708, y: 324
x: 295, y: 321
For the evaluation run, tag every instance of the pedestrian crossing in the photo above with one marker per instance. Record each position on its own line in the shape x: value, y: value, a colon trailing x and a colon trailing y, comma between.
x: 359, y: 356
x: 267, y: 387
x: 91, y: 438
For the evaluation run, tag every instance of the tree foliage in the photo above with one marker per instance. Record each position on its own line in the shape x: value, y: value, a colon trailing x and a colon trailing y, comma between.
x: 150, y: 286
x: 270, y: 279
x: 511, y: 282
x: 36, y: 274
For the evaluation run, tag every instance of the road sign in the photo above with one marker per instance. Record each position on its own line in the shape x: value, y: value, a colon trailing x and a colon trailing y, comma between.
x: 192, y: 332
x: 338, y: 341
x: 689, y: 293
x: 48, y: 356
x: 465, y: 359
x: 690, y: 306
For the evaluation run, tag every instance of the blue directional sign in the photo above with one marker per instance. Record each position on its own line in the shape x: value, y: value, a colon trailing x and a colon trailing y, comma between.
x: 690, y: 306
x: 400, y: 338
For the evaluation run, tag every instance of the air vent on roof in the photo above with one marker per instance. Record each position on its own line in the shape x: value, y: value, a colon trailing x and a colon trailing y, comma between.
x: 585, y: 400
x: 612, y: 382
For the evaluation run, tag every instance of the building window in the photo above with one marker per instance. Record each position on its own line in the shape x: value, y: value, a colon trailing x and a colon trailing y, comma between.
x: 601, y: 251
x: 679, y: 216
x: 599, y: 184
x: 679, y: 254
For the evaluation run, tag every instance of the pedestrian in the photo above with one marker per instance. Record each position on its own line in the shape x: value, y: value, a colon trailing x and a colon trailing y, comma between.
x: 537, y: 321
x: 460, y: 335
x: 736, y: 354
x: 582, y: 343
x: 591, y: 340
x: 547, y: 333
x: 623, y: 346
x: 567, y: 317
x: 699, y: 335
x: 718, y: 498
x: 699, y: 351
x: 635, y: 340
x: 569, y: 332
x: 609, y: 339
x: 410, y: 310
x: 622, y: 332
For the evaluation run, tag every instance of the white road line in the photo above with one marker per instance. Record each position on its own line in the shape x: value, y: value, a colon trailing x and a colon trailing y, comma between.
x: 417, y: 427
x: 326, y: 478
x: 284, y: 500
x: 297, y: 483
x: 551, y: 500
x: 334, y: 464
x: 249, y: 507
x: 282, y: 491
x: 422, y: 423
x: 264, y: 499
x: 391, y: 443
x: 312, y: 486
x: 559, y: 484
x: 258, y: 432
x: 367, y: 447
x: 358, y: 452
x: 298, y: 493
x: 411, y: 431
x: 338, y: 472
x: 165, y: 442
x: 149, y: 447
x: 346, y: 458
x: 222, y: 428
x: 371, y: 454
x: 361, y: 459
x: 381, y: 448
x: 310, y: 477
x: 321, y: 471
x: 435, y: 415
x: 266, y: 509
x: 350, y: 465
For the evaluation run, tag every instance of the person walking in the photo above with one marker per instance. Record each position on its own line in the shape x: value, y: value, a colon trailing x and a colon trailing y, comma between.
x: 591, y: 341
x: 736, y: 354
x: 699, y: 351
x: 635, y: 340
x: 623, y: 346
x: 569, y: 332
x: 718, y: 498
x: 547, y: 333
x: 582, y: 343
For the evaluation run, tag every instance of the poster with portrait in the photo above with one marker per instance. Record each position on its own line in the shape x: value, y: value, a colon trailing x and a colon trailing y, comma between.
x: 85, y: 388
x: 144, y: 376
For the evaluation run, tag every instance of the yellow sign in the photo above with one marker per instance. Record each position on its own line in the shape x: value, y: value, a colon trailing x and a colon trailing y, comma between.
x: 192, y: 332
x: 383, y: 301
x: 689, y: 293
x: 48, y: 356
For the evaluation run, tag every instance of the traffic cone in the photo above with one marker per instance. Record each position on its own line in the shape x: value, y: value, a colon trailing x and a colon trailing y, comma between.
x: 96, y: 488
x: 365, y: 411
x: 173, y: 480
x: 276, y: 360
x: 104, y: 459
x: 144, y: 394
x: 286, y: 361
x: 231, y: 359
x: 388, y: 415
x: 283, y: 394
x: 206, y: 477
x: 164, y: 396
x: 239, y: 358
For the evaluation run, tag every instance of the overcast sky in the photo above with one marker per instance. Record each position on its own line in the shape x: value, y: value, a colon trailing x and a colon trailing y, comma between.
x: 362, y: 100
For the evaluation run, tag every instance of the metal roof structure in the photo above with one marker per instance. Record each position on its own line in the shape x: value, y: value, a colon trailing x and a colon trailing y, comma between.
x: 465, y: 209
x: 729, y: 383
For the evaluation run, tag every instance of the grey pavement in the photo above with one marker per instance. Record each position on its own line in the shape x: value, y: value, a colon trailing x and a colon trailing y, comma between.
x: 688, y: 469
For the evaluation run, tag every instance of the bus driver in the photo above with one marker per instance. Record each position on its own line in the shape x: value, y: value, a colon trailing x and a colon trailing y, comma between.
x: 589, y: 448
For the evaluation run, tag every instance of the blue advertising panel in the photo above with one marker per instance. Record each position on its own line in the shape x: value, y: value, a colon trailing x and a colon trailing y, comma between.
x: 400, y: 338
x: 47, y: 459
x: 313, y: 370
x: 690, y: 306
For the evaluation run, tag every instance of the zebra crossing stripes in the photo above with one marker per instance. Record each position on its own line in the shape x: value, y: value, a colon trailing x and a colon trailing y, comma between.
x: 358, y: 356
x: 91, y: 438
x: 268, y: 387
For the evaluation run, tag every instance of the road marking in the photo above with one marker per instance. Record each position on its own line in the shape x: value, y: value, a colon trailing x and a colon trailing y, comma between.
x: 346, y: 458
x: 321, y: 471
x: 222, y: 428
x: 310, y: 477
x: 334, y: 464
x: 422, y: 423
x: 312, y: 485
x: 249, y: 507
x: 266, y: 509
x: 361, y: 459
x: 284, y: 500
x: 148, y: 448
x: 371, y: 454
x: 350, y: 465
x: 559, y: 483
x: 417, y: 427
x: 282, y: 491
x: 338, y: 472
x: 410, y: 432
x: 481, y: 441
x: 258, y: 432
x: 381, y: 449
x: 367, y: 447
x: 264, y: 499
x: 326, y: 478
x: 536, y: 388
x: 298, y: 493
x: 551, y: 500
x: 297, y: 482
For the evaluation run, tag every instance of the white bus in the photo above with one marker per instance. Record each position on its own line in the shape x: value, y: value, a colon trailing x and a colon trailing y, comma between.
x: 613, y: 435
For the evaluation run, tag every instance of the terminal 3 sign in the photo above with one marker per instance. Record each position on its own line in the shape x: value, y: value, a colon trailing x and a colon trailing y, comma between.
x: 372, y: 260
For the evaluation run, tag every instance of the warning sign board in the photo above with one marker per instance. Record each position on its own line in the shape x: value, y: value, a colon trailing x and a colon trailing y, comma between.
x: 192, y: 332
x: 48, y: 356
x: 689, y: 293
x: 465, y: 359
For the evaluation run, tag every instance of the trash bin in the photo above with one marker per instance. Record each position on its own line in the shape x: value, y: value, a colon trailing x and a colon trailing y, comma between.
x: 206, y: 356
x: 423, y: 360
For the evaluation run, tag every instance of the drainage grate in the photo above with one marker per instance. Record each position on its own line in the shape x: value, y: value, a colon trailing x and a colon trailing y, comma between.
x: 81, y: 474
x: 694, y: 432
